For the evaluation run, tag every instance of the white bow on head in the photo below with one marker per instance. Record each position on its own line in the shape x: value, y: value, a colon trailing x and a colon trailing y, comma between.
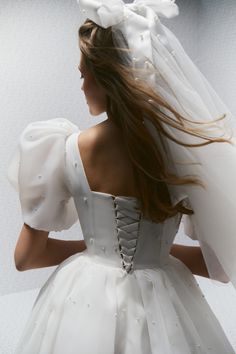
x: 138, y: 21
x: 109, y: 13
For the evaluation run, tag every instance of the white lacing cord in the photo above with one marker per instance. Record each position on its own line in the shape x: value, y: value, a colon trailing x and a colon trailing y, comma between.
x: 125, y: 217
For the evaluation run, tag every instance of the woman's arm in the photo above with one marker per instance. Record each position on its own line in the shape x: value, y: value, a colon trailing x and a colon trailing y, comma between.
x: 193, y: 258
x: 55, y: 252
x: 30, y: 244
x: 34, y: 249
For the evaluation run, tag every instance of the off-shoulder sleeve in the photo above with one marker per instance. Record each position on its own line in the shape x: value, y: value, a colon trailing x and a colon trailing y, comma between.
x: 37, y: 171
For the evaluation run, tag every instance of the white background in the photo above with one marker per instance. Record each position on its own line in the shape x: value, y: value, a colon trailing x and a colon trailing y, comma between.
x: 39, y: 80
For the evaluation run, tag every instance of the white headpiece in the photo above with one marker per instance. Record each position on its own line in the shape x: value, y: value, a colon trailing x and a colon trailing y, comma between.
x: 174, y: 76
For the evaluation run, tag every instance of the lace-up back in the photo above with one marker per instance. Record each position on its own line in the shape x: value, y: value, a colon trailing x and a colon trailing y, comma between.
x: 128, y: 224
x: 113, y: 226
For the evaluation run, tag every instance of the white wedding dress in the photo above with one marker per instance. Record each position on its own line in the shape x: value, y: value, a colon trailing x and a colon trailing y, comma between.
x: 125, y: 294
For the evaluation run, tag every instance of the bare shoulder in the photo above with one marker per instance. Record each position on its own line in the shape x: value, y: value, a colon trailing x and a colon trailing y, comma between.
x: 105, y: 160
x: 99, y: 137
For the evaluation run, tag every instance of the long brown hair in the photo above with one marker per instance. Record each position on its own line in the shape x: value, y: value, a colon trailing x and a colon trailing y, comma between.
x: 128, y: 101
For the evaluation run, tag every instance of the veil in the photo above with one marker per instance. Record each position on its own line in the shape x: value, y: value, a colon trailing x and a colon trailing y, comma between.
x: 157, y: 56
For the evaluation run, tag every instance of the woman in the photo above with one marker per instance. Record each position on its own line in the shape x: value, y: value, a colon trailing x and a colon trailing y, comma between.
x: 126, y: 288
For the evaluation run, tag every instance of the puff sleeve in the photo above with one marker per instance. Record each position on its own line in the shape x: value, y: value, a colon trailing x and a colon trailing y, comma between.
x: 37, y: 171
x: 178, y: 195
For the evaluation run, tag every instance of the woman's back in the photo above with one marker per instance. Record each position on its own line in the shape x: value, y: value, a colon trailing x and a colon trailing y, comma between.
x: 106, y: 161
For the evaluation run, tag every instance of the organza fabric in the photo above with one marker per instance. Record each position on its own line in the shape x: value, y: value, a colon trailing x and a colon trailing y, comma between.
x: 37, y: 172
x: 125, y: 293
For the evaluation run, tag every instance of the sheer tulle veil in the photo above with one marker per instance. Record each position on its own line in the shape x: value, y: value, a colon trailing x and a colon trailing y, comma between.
x: 158, y: 57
